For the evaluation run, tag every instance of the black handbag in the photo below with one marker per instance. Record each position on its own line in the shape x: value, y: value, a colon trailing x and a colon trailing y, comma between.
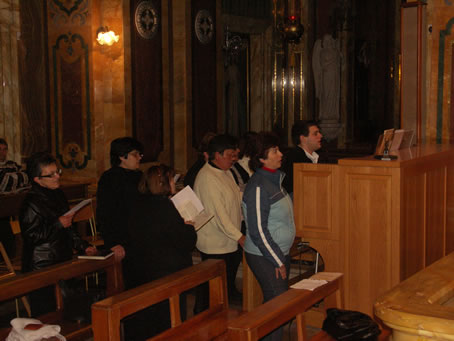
x: 350, y: 325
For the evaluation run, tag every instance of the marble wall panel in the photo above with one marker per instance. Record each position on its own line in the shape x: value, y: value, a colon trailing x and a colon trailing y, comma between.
x: 34, y: 78
x: 9, y: 91
x: 440, y: 15
x: 179, y: 83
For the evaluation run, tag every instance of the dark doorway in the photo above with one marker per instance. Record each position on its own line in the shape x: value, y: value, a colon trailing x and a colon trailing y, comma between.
x: 369, y: 35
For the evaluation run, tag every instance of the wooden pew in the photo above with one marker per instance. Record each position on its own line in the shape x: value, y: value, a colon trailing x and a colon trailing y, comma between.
x: 23, y: 284
x: 209, y: 324
x: 282, y: 309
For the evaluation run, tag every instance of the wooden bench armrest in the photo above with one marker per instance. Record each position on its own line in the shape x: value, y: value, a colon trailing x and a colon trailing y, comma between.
x: 278, y: 311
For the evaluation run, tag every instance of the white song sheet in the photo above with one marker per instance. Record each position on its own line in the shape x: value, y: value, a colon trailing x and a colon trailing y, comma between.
x: 190, y: 207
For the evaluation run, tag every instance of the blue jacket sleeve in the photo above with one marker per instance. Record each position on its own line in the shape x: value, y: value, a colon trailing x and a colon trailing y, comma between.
x: 258, y: 210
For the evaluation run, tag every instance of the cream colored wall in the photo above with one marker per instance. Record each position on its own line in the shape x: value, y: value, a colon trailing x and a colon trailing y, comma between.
x: 110, y: 84
x: 10, y: 127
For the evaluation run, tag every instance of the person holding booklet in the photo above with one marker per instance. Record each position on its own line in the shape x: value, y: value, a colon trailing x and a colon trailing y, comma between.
x: 160, y: 243
x: 48, y: 235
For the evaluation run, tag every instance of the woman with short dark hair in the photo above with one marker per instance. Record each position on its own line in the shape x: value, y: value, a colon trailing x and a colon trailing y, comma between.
x: 117, y: 188
x: 47, y: 232
x: 268, y: 212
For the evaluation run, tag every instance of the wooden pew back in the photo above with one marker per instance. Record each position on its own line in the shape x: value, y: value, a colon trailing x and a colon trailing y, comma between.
x: 280, y: 310
x: 23, y: 284
x: 107, y: 314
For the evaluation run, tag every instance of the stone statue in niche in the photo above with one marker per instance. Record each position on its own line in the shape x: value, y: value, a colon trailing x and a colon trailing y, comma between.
x: 326, y: 64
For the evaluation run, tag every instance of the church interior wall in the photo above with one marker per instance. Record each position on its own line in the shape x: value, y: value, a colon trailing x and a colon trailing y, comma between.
x: 29, y: 114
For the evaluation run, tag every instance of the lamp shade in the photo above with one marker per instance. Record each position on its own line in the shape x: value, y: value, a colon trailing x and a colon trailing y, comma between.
x: 106, y: 37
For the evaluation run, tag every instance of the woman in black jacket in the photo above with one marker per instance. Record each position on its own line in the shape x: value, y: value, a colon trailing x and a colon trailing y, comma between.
x: 48, y: 235
x: 160, y: 242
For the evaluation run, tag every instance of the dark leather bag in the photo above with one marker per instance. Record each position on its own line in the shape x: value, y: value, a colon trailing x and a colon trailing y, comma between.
x: 350, y: 325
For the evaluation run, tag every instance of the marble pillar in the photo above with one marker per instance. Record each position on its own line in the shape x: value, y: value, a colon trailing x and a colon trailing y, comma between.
x: 9, y: 91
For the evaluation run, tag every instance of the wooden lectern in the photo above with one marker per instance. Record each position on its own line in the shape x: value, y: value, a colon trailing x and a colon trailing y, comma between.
x: 378, y: 222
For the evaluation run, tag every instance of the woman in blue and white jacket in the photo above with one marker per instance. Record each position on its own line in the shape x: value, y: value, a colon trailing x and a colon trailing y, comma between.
x: 268, y: 211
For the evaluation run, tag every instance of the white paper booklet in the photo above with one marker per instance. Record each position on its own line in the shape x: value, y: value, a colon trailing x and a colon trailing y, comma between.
x: 190, y: 207
x: 316, y: 280
x: 78, y: 206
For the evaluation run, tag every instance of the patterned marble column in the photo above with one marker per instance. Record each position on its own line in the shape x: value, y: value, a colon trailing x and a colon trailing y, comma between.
x: 9, y: 90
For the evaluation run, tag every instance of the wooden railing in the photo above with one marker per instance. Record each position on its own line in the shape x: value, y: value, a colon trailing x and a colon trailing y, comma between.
x: 208, y: 325
x: 23, y: 284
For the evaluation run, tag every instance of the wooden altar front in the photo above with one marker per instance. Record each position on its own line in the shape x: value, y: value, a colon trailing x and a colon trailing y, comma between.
x: 378, y: 222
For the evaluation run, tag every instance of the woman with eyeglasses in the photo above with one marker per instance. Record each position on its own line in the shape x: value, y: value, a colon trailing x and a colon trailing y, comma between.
x: 160, y: 243
x: 117, y: 189
x: 48, y: 235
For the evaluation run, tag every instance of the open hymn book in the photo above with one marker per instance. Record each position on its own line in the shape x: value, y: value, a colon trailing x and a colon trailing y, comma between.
x: 190, y: 207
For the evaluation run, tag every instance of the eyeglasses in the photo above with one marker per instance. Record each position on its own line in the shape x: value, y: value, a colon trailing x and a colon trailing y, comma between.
x: 51, y: 175
x: 136, y: 154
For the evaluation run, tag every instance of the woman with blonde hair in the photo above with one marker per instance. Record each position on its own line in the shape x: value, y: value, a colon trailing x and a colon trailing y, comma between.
x: 160, y: 243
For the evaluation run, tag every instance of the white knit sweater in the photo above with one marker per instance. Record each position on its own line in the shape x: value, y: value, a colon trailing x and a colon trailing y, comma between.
x: 221, y: 197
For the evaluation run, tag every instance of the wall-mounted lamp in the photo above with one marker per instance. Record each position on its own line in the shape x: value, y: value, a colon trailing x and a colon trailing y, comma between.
x: 106, y: 37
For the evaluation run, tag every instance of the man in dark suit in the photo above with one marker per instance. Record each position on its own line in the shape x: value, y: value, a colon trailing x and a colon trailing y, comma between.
x: 307, y: 139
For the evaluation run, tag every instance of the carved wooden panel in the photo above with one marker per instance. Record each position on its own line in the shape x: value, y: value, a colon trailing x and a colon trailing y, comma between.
x: 368, y: 248
x: 315, y: 190
x: 435, y: 220
x: 316, y: 210
x: 413, y: 225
